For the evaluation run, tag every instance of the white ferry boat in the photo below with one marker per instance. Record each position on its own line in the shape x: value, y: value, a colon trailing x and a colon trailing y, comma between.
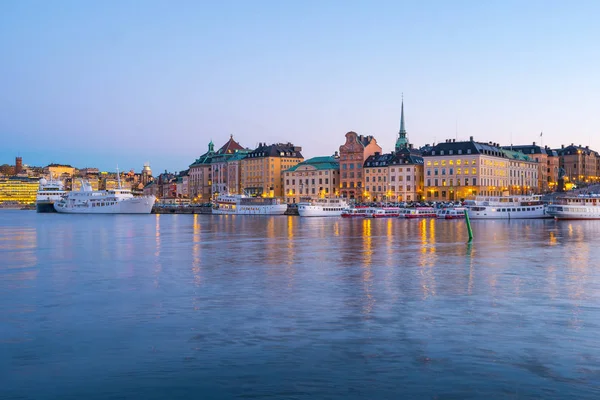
x: 240, y: 204
x: 322, y: 208
x: 576, y: 207
x: 383, y: 212
x: 418, y: 212
x: 451, y: 213
x: 116, y: 201
x: 506, y: 207
x: 48, y: 193
x: 356, y: 212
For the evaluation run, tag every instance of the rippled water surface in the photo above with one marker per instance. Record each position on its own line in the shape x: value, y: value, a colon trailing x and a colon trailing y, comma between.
x: 221, y: 307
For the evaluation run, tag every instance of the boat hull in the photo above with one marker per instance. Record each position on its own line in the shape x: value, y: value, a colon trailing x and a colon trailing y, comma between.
x: 508, y: 215
x: 311, y: 211
x: 45, y: 207
x: 275, y: 209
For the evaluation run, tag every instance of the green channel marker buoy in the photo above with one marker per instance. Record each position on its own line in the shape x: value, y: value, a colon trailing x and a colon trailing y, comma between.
x: 469, y: 226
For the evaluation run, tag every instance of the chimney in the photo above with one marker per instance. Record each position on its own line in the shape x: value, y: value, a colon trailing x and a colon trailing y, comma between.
x: 562, y: 146
x: 453, y: 140
x: 471, y: 138
x: 376, y: 153
x: 534, y: 143
x: 587, y: 147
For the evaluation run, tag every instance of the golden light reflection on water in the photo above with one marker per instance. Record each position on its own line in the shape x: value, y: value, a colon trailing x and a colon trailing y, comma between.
x: 552, y: 241
x: 291, y: 251
x: 24, y: 240
x: 578, y: 272
x: 367, y: 273
x: 196, y: 247
x: 158, y: 266
x: 428, y: 258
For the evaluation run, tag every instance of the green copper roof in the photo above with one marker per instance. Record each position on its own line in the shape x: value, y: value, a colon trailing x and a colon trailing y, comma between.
x: 319, y: 163
x: 402, y: 140
x: 516, y: 155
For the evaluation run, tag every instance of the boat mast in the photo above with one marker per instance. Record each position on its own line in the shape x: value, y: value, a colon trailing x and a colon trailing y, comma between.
x: 118, y: 178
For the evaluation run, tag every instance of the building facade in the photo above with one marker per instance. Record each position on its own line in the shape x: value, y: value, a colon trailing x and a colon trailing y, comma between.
x: 314, y: 178
x: 16, y: 190
x: 353, y: 154
x: 262, y: 168
x: 200, y: 176
x: 220, y: 170
x: 548, y: 164
x: 396, y: 176
x: 581, y: 164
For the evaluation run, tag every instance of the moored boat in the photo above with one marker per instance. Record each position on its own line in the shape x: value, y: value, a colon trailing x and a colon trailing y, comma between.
x: 49, y: 191
x: 383, y: 212
x: 451, y: 213
x: 506, y: 207
x: 418, y: 212
x: 322, y: 208
x: 576, y: 207
x: 241, y: 204
x: 355, y: 212
x: 114, y: 201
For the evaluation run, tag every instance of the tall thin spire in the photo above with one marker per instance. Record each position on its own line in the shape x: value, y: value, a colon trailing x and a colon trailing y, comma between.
x: 402, y: 141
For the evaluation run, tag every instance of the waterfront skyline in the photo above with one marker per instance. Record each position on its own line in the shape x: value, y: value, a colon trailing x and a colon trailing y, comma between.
x: 101, y: 84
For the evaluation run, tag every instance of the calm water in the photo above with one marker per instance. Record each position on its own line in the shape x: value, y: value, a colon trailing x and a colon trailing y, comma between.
x: 220, y: 307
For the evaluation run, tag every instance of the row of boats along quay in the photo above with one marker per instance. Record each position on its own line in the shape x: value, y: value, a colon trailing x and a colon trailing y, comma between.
x: 52, y: 197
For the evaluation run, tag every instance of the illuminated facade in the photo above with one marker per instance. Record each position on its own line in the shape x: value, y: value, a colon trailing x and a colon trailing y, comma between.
x: 581, y: 164
x: 314, y: 178
x: 457, y: 170
x: 18, y: 190
x: 394, y: 177
x: 262, y: 168
x: 220, y: 171
x: 547, y: 162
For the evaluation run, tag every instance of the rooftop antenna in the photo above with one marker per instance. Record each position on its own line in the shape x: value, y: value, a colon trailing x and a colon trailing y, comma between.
x: 542, y: 138
x: 456, y: 130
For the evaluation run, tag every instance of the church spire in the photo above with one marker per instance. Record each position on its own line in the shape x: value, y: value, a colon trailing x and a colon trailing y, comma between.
x: 402, y: 141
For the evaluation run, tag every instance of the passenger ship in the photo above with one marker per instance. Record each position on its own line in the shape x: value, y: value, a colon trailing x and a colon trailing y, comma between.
x: 115, y: 201
x: 576, y: 207
x: 322, y: 208
x: 241, y: 204
x: 506, y: 207
x: 49, y: 192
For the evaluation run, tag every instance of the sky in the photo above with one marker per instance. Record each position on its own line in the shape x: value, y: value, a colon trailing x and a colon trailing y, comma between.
x: 107, y: 83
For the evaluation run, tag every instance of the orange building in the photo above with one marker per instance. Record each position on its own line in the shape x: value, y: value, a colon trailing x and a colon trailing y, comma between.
x: 353, y: 154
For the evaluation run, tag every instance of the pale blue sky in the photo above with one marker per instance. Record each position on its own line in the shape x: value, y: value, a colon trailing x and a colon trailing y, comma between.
x: 101, y: 83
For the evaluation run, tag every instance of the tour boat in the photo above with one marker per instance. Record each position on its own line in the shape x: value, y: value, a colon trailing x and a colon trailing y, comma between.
x: 322, y: 208
x: 576, y: 207
x: 114, y: 201
x: 418, y: 212
x: 354, y: 212
x: 241, y: 204
x: 451, y: 213
x: 383, y: 212
x: 49, y: 192
x: 506, y: 207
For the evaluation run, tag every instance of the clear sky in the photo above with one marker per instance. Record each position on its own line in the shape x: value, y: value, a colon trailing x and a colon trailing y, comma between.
x: 101, y: 83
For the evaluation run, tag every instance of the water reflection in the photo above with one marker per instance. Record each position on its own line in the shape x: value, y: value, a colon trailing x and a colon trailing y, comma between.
x: 216, y: 299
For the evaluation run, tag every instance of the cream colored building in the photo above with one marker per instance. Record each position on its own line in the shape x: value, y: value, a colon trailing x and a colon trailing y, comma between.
x: 394, y: 177
x: 262, y: 168
x: 318, y: 177
x: 457, y: 170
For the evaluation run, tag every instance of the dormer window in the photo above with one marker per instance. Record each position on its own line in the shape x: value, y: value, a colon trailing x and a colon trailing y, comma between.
x: 468, y: 151
x: 459, y: 151
x: 433, y: 152
x: 450, y: 152
x: 442, y: 153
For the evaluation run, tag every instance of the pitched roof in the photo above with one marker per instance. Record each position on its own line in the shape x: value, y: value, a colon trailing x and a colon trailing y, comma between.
x: 531, y: 149
x: 276, y: 150
x: 319, y: 163
x: 396, y: 158
x: 572, y: 149
x: 230, y: 147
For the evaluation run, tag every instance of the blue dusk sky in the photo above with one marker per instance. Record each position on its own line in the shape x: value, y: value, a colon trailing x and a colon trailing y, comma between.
x: 101, y: 83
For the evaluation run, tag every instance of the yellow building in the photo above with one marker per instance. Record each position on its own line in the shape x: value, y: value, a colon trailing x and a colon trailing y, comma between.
x: 262, y: 168
x: 318, y: 177
x: 58, y: 170
x: 18, y: 190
